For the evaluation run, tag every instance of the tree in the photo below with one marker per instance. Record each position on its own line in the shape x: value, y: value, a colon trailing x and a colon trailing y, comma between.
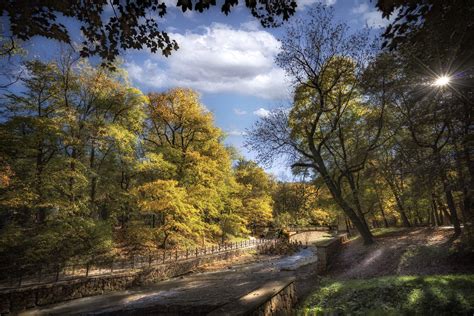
x: 29, y: 144
x: 179, y: 220
x: 255, y: 193
x: 182, y: 132
x: 417, y: 20
x: 109, y: 27
x: 436, y: 39
x: 329, y: 130
x: 302, y: 203
x: 65, y: 139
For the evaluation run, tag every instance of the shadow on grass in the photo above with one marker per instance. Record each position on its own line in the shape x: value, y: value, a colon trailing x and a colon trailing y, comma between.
x: 406, y: 295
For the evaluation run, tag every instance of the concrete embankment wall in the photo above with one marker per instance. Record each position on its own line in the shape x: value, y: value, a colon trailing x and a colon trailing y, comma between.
x: 327, y: 250
x: 273, y: 298
x: 15, y: 300
x: 279, y: 297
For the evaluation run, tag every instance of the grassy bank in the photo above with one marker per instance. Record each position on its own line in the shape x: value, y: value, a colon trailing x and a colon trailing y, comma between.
x: 394, y: 295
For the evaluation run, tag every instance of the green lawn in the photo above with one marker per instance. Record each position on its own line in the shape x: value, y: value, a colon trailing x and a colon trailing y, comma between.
x: 397, y: 295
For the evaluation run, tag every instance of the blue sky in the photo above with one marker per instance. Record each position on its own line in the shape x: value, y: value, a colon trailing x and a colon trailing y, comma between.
x: 229, y: 60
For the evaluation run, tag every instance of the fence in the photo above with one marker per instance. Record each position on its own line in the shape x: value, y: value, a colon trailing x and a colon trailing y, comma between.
x: 16, y: 277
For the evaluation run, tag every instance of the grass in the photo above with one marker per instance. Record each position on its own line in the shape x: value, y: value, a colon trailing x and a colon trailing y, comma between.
x: 394, y: 295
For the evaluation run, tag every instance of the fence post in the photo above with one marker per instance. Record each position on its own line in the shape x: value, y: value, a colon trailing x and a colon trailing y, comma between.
x: 87, y: 269
x: 187, y: 253
x: 196, y: 252
x: 57, y: 274
x: 149, y: 260
x: 112, y: 267
x: 176, y: 255
x: 20, y: 279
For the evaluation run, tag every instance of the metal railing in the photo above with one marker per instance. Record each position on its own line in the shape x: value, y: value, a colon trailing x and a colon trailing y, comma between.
x: 16, y: 277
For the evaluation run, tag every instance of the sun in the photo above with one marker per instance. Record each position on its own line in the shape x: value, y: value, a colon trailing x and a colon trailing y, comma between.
x: 442, y: 81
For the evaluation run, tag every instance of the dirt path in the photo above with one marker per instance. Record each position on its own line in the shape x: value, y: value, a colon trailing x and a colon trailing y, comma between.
x: 419, y: 251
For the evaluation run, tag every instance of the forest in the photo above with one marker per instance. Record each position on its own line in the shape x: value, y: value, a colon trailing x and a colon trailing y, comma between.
x: 92, y: 167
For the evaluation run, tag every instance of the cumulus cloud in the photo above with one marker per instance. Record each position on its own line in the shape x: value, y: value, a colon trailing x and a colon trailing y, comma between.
x: 240, y: 112
x: 219, y: 59
x: 370, y: 16
x: 262, y: 112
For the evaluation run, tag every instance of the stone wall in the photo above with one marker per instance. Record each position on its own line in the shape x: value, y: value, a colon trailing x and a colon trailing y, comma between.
x: 276, y: 297
x: 16, y: 300
x: 281, y: 303
x: 326, y: 250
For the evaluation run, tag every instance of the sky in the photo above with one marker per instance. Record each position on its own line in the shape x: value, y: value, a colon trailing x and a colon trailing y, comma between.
x: 229, y: 60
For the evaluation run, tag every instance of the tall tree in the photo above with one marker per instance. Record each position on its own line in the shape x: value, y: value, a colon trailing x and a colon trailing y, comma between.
x: 436, y: 39
x: 329, y: 129
x: 255, y: 193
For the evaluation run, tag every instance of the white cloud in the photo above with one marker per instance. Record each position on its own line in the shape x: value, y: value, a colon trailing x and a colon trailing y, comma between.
x: 305, y: 3
x: 253, y: 25
x: 262, y: 112
x: 240, y: 112
x: 362, y: 8
x: 370, y: 16
x: 220, y: 59
x: 235, y: 132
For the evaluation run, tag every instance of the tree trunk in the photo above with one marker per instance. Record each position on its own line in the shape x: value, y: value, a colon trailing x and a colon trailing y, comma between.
x: 381, y: 209
x: 72, y: 167
x: 435, y: 210
x: 431, y: 219
x: 453, y: 216
x: 383, y: 216
x: 401, y: 209
x: 337, y: 195
x: 452, y: 210
x: 347, y: 224
x: 355, y: 195
x: 41, y: 215
x: 93, y: 183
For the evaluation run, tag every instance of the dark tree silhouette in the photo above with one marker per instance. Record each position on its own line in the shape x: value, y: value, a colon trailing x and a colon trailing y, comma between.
x: 109, y: 27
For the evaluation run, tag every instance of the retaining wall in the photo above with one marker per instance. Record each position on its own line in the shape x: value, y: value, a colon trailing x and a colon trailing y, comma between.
x: 326, y: 250
x: 273, y: 298
x: 15, y: 300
